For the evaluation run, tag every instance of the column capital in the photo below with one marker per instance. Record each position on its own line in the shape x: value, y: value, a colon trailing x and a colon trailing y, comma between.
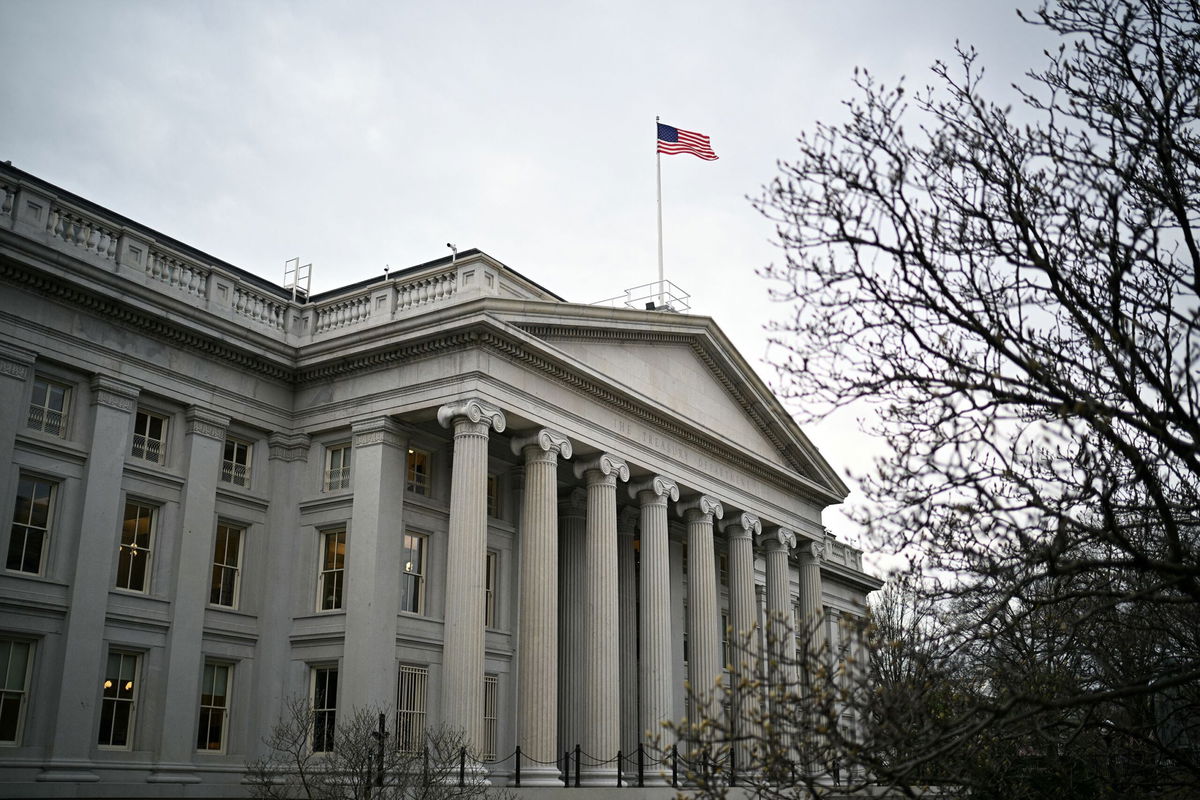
x: 202, y: 422
x: 475, y: 410
x: 288, y: 446
x: 379, y: 430
x: 659, y: 485
x: 742, y: 525
x: 627, y: 520
x: 703, y: 504
x: 812, y: 550
x: 778, y: 537
x: 546, y: 440
x: 606, y: 463
x: 114, y: 394
x: 574, y: 501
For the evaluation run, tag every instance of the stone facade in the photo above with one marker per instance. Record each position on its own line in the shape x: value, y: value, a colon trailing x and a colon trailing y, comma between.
x: 446, y: 493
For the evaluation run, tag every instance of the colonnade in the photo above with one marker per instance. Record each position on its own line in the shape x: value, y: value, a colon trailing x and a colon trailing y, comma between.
x: 587, y: 581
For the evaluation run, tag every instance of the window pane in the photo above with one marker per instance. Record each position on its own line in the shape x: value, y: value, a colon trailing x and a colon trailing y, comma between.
x: 31, y: 525
x: 14, y: 671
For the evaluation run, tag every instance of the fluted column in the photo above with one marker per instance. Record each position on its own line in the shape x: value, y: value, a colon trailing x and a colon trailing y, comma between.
x: 743, y: 636
x: 627, y: 519
x: 654, y: 610
x: 704, y: 618
x: 811, y: 620
x: 573, y: 512
x: 601, y: 665
x: 781, y: 641
x: 462, y: 653
x: 537, y: 656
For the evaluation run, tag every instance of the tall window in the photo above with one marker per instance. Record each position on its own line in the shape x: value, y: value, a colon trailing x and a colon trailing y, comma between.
x: 324, y: 699
x: 235, y: 468
x: 489, y: 717
x: 227, y: 566
x: 410, y: 708
x: 49, y: 407
x: 214, y: 707
x: 412, y: 581
x: 333, y: 569
x: 15, y: 661
x: 150, y: 437
x: 118, y: 700
x: 337, y: 467
x: 418, y: 471
x: 489, y: 588
x: 133, y: 562
x: 30, y: 536
x: 493, y: 496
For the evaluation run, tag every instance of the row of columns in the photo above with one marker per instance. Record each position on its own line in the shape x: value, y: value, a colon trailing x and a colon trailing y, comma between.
x: 575, y: 596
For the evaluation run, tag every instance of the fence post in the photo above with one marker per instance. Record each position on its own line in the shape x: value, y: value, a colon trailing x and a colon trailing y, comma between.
x: 641, y: 764
x: 675, y: 765
x: 425, y: 765
x: 577, y: 760
x: 733, y: 765
x: 518, y: 776
x: 462, y: 766
x: 620, y: 765
x: 566, y: 768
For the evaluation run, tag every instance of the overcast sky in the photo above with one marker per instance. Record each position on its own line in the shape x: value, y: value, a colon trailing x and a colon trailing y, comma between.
x: 356, y: 135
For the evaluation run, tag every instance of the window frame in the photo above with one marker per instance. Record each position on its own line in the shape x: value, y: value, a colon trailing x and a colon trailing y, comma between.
x: 45, y: 530
x: 493, y: 496
x: 326, y: 573
x: 491, y: 584
x: 160, y: 449
x: 40, y: 408
x: 22, y: 699
x: 224, y: 709
x: 415, y: 482
x: 336, y: 478
x: 148, y: 550
x: 324, y: 715
x: 230, y: 466
x: 129, y: 703
x: 224, y: 568
x: 417, y: 574
x: 411, y: 717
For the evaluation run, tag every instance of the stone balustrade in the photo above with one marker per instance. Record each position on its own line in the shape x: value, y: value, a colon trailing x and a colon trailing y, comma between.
x: 41, y: 212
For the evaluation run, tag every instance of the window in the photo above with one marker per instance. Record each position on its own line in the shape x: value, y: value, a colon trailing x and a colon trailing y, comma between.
x: 214, y: 707
x: 410, y: 708
x: 418, y: 472
x: 489, y: 588
x: 235, y: 468
x: 27, y: 543
x: 333, y: 570
x: 150, y: 437
x: 118, y: 700
x: 227, y: 563
x: 489, y: 717
x: 493, y: 496
x: 412, y: 582
x: 15, y: 661
x: 337, y: 467
x: 133, y: 562
x: 324, y: 699
x: 49, y: 407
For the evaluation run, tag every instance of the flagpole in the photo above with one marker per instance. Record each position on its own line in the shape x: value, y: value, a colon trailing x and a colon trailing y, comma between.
x: 658, y: 170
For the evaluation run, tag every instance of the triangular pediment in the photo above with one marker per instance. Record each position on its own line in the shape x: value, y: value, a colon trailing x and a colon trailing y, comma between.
x: 673, y: 376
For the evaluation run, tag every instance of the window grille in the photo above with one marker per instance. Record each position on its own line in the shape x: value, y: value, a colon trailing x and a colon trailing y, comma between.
x: 410, y: 708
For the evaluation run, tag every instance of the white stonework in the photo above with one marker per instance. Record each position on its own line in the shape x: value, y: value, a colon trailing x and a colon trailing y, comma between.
x: 240, y: 489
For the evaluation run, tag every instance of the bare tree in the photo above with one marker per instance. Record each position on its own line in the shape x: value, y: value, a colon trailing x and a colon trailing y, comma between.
x: 1017, y: 293
x: 354, y: 762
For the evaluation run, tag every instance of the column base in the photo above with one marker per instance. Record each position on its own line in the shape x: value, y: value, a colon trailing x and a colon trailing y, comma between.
x: 66, y: 775
x: 599, y: 776
x: 539, y: 776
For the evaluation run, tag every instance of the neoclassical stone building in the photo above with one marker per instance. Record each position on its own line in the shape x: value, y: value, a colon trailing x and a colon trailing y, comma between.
x: 447, y: 493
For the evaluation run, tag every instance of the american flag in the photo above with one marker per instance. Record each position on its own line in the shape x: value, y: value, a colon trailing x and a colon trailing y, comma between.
x: 673, y: 140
